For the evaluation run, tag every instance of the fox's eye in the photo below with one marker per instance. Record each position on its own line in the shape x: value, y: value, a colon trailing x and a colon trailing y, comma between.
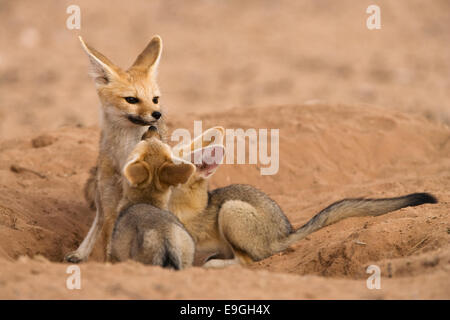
x: 155, y: 100
x: 131, y: 100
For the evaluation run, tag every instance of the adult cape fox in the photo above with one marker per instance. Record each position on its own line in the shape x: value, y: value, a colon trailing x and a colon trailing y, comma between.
x: 129, y: 104
x: 240, y: 224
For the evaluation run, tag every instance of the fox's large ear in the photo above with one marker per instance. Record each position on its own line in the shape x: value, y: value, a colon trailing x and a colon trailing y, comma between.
x: 102, y: 69
x: 176, y: 173
x: 148, y: 60
x: 208, y: 159
x: 211, y: 136
x: 137, y: 173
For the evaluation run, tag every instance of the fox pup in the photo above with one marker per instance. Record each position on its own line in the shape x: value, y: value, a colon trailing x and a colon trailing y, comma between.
x: 240, y: 224
x: 144, y: 231
x: 129, y: 104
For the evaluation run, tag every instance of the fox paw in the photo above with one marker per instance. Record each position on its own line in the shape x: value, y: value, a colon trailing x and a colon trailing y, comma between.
x: 219, y: 263
x: 73, y: 257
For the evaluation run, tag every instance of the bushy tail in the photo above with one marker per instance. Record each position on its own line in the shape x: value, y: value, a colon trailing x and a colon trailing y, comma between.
x: 354, y: 208
x: 171, y: 259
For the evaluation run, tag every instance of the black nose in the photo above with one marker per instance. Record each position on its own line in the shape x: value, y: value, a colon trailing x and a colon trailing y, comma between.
x: 156, y: 115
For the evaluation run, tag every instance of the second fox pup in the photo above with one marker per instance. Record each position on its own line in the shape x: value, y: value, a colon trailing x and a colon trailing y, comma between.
x: 144, y: 230
x: 240, y: 224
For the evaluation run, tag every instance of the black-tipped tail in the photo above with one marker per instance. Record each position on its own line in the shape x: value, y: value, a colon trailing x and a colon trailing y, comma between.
x: 354, y: 208
x: 416, y: 199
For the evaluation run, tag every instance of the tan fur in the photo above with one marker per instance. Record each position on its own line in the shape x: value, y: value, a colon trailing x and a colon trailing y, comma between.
x: 153, y: 236
x: 119, y: 133
x: 144, y: 231
x: 90, y: 188
x: 241, y: 224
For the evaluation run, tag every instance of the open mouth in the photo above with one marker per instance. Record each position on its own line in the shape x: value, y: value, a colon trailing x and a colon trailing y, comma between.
x: 139, y: 120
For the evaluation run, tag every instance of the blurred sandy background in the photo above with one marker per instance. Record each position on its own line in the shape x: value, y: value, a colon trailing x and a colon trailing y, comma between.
x: 223, y: 54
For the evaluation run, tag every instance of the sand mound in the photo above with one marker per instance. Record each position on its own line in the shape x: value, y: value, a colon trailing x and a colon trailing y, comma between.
x: 327, y: 152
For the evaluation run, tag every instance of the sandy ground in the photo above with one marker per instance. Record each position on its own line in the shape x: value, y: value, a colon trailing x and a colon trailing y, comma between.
x: 360, y: 113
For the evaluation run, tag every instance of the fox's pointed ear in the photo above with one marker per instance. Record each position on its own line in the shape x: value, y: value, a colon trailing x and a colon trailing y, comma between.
x: 137, y: 173
x: 208, y: 159
x: 176, y: 173
x: 210, y: 136
x: 148, y: 60
x: 102, y: 69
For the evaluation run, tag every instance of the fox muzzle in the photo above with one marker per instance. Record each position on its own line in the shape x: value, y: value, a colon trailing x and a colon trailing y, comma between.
x: 139, y: 120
